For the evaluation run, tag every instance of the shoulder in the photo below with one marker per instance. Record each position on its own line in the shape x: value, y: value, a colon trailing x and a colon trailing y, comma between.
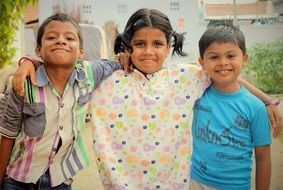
x: 187, y: 69
x: 192, y: 72
x: 251, y: 99
x: 254, y: 108
x: 186, y: 66
x: 83, y: 69
x: 102, y: 62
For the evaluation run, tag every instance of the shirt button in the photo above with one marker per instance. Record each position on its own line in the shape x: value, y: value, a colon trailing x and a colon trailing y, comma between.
x: 60, y: 127
x: 62, y: 105
x: 54, y: 149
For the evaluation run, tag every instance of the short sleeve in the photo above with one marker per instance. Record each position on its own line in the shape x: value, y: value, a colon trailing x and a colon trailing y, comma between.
x: 261, y: 127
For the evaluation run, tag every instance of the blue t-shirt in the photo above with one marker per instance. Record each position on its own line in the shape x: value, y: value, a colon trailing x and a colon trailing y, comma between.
x: 226, y: 128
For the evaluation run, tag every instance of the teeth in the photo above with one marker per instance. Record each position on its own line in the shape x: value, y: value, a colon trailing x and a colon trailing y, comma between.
x: 223, y: 71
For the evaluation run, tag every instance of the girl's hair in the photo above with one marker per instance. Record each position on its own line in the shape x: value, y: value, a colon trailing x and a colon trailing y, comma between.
x: 149, y: 18
x: 62, y: 18
x: 222, y: 33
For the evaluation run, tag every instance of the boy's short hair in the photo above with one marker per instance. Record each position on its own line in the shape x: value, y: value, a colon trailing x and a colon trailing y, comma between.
x: 222, y: 34
x: 62, y: 18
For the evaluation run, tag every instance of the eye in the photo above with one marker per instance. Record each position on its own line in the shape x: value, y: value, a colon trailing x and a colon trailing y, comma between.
x: 214, y: 57
x: 50, y: 37
x: 231, y: 56
x: 139, y: 44
x: 158, y: 44
x: 70, y: 38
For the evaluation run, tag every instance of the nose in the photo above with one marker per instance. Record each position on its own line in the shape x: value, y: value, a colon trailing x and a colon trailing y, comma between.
x: 148, y: 49
x: 61, y: 40
x: 223, y: 61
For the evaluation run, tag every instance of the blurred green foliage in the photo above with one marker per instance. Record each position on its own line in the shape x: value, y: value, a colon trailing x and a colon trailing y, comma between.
x: 265, y: 66
x: 11, y: 13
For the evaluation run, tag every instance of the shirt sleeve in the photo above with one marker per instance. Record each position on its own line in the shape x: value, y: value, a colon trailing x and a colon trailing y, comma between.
x: 102, y: 69
x: 261, y: 127
x: 204, y: 81
x: 11, y: 114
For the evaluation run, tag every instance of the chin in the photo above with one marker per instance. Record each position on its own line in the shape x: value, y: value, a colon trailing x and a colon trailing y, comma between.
x: 65, y: 65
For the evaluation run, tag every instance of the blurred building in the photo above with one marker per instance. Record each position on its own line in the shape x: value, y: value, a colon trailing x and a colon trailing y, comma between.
x: 259, y: 20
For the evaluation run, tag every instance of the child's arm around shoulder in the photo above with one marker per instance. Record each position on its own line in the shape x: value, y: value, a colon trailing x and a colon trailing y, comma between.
x: 27, y: 66
x: 102, y: 69
x: 273, y: 111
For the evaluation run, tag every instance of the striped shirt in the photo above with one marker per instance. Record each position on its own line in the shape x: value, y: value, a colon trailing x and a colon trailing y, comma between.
x: 42, y: 121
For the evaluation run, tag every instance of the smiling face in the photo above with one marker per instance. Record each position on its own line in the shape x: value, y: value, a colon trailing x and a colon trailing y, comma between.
x: 150, y: 49
x: 60, y: 44
x: 223, y: 63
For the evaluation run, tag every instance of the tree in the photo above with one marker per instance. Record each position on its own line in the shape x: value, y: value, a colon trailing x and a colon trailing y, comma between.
x: 11, y: 13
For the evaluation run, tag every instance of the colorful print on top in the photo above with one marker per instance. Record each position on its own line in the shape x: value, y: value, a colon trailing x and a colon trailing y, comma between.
x: 142, y: 133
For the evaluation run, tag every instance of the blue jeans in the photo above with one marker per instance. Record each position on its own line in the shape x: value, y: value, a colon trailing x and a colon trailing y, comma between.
x: 43, y: 183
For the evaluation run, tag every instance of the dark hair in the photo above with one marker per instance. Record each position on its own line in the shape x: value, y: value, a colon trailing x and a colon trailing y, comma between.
x: 59, y: 17
x: 149, y: 18
x: 221, y: 34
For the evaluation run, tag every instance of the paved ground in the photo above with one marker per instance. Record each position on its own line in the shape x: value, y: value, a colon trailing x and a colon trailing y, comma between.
x: 88, y: 179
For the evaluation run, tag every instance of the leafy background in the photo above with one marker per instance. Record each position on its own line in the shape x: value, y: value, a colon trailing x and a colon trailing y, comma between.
x: 10, y: 14
x: 265, y: 66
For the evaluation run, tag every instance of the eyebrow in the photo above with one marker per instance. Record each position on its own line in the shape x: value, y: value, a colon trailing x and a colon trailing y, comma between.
x: 230, y: 51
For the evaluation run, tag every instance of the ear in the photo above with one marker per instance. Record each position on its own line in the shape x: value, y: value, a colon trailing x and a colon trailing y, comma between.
x: 38, y: 51
x: 201, y: 62
x: 82, y: 53
x: 245, y: 59
x: 168, y: 50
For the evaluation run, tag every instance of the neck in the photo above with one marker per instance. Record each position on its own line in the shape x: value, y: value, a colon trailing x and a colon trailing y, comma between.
x: 229, y: 88
x: 59, y: 77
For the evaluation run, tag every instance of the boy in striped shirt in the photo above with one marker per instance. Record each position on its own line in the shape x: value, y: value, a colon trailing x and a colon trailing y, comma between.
x: 42, y: 134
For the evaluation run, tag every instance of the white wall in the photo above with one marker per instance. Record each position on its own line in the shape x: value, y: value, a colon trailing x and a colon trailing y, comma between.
x: 189, y: 9
x: 18, y: 42
x: 100, y: 11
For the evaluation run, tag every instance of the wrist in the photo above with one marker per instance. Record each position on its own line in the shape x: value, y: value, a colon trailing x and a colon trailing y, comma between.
x: 272, y: 102
x: 27, y: 58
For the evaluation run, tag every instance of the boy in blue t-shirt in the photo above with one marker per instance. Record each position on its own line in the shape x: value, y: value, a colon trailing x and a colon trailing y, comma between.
x: 229, y: 122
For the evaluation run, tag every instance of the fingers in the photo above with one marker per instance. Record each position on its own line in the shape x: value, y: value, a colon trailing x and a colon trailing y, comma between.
x: 275, y: 120
x: 25, y: 69
x: 279, y: 124
x: 124, y: 60
x: 18, y: 86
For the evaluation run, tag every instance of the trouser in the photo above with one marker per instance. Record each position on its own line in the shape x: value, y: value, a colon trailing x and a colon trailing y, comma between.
x: 43, y: 183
